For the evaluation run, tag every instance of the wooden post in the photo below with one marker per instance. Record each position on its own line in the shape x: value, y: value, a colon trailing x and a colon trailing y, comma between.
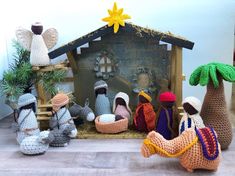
x: 178, y: 77
x: 172, y: 71
x: 72, y: 57
x: 41, y: 94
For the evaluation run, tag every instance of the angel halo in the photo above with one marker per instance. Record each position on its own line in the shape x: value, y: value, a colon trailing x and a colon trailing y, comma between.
x: 37, y: 43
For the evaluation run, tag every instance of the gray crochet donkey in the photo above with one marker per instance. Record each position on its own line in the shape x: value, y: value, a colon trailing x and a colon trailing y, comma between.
x: 85, y: 112
x: 61, y: 123
x: 31, y: 140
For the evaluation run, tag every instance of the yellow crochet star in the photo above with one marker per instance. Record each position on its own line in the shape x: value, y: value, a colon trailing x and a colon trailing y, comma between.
x: 116, y: 18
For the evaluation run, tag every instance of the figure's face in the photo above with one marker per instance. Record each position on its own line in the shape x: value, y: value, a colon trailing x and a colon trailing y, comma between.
x: 167, y: 104
x: 143, y: 80
x: 100, y: 91
x: 189, y: 109
x: 37, y: 29
x: 29, y: 106
x: 120, y: 101
x: 143, y: 100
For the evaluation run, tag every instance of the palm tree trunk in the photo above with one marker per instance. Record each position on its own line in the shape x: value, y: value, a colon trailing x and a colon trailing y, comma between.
x: 215, y: 114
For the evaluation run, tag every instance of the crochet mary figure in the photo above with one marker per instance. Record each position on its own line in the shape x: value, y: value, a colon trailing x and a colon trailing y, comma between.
x: 121, y: 105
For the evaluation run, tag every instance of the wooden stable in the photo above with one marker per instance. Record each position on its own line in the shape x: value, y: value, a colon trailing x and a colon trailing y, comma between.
x: 177, y: 44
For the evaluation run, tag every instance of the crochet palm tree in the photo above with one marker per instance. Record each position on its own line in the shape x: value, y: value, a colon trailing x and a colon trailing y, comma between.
x: 214, y: 111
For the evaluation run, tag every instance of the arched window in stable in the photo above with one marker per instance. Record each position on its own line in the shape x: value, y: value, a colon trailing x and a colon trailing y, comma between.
x: 105, y: 65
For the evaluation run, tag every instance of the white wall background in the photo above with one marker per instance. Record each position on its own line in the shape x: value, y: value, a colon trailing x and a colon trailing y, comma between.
x: 208, y: 23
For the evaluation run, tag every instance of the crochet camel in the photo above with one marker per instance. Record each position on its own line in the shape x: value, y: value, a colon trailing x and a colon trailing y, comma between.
x: 189, y: 147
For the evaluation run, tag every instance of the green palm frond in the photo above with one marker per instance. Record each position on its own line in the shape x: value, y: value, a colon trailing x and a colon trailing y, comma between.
x: 213, y: 76
x: 205, y: 73
x: 195, y: 76
x: 227, y: 72
x: 49, y: 79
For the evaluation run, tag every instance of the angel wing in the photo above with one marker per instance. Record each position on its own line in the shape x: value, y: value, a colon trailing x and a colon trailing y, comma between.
x: 24, y: 37
x: 50, y: 37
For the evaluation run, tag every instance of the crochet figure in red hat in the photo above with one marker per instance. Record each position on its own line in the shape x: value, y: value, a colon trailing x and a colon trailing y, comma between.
x: 145, y: 116
x: 166, y: 123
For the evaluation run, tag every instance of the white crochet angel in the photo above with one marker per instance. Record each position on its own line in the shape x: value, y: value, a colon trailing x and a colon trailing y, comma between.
x: 37, y: 43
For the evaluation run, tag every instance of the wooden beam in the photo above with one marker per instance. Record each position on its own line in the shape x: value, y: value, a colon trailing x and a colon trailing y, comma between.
x: 40, y: 118
x: 72, y: 56
x: 76, y: 86
x: 41, y: 93
x: 45, y: 113
x: 68, y: 79
x: 80, y: 41
x: 61, y: 66
x: 177, y: 52
x: 145, y: 32
x: 172, y: 74
x: 180, y: 108
x: 45, y: 106
x: 160, y: 36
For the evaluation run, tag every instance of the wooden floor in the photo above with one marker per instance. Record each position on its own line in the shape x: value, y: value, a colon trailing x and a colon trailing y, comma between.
x: 95, y: 157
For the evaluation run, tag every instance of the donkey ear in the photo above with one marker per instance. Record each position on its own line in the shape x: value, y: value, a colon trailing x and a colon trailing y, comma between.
x: 87, y: 102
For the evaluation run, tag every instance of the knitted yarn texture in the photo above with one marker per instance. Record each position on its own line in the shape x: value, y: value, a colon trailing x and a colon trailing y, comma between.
x: 59, y: 100
x: 27, y: 120
x: 112, y: 127
x: 102, y: 105
x: 64, y: 120
x: 26, y: 99
x: 39, y: 52
x: 215, y: 114
x: 186, y: 146
x: 35, y: 145
x: 59, y: 138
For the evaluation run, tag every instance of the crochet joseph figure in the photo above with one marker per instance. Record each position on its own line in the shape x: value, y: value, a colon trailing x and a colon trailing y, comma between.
x: 102, y: 104
x: 191, y: 117
x: 195, y: 150
x: 166, y: 122
x: 61, y: 122
x: 145, y: 117
x: 31, y: 140
x: 37, y: 43
x: 121, y: 105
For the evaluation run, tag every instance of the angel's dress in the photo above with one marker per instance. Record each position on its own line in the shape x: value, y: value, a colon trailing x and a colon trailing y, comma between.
x: 39, y: 52
x: 27, y: 120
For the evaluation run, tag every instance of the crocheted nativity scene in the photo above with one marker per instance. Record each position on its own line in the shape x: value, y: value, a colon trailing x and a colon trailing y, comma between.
x: 131, y: 87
